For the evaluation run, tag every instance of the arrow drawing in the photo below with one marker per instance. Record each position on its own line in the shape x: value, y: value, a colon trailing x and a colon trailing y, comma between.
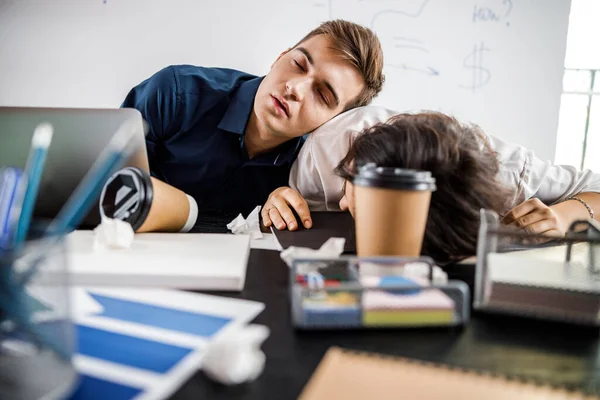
x: 427, y: 71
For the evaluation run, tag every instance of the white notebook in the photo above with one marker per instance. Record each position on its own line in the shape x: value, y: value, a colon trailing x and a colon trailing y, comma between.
x: 186, y: 261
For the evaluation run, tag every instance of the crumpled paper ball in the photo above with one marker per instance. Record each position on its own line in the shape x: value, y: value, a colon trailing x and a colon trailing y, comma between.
x: 113, y: 234
x: 250, y: 225
x: 235, y: 356
x: 333, y: 247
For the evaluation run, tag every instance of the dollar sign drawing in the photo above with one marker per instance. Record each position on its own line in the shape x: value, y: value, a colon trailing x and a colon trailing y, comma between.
x: 474, y: 61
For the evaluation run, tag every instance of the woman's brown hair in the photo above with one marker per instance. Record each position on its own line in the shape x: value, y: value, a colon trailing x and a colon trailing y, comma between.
x: 459, y: 158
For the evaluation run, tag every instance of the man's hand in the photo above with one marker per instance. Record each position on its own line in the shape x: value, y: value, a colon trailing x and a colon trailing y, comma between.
x: 536, y: 218
x: 277, y: 211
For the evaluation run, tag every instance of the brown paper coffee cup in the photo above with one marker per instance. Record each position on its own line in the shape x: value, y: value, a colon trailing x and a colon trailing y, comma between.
x: 145, y: 202
x: 391, y: 206
x: 169, y: 210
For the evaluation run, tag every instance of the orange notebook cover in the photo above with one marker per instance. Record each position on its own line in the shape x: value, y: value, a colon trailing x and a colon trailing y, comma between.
x: 351, y: 376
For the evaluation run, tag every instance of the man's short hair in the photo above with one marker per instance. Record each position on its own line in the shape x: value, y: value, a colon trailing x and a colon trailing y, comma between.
x: 359, y: 46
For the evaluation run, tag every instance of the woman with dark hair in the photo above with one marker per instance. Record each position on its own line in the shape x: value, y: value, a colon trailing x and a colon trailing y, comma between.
x: 473, y: 170
x: 459, y: 158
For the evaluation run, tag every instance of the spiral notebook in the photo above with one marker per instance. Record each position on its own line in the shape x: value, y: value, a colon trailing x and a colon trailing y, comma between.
x: 350, y: 375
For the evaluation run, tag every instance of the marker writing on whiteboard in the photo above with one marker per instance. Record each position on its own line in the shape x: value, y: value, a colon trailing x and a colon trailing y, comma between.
x: 480, y: 76
x: 491, y: 14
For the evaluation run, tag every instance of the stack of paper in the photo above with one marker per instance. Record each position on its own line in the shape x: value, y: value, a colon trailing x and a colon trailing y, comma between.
x: 541, y: 282
x: 185, y: 261
x: 423, y: 306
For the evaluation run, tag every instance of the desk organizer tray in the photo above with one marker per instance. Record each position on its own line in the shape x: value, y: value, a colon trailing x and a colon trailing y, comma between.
x: 385, y: 292
x: 539, y: 276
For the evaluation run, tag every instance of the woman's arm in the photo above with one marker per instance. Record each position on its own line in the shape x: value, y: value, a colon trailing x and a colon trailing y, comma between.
x: 543, y: 191
x: 535, y: 217
x: 530, y: 177
x: 572, y: 209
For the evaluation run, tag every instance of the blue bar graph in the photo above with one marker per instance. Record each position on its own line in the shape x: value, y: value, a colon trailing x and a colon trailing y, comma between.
x: 132, y: 351
x: 198, y: 324
x: 128, y: 350
x: 97, y: 389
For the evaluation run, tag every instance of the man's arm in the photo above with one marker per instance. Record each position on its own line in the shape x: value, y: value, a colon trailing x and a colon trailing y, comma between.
x: 156, y: 99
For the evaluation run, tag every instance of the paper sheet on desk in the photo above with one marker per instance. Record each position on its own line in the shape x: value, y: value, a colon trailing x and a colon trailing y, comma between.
x: 186, y: 261
x: 544, y: 268
x: 266, y: 242
x: 332, y: 248
x: 579, y: 253
x: 145, y: 343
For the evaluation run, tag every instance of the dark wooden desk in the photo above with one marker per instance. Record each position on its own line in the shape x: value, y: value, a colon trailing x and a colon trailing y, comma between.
x: 525, y: 349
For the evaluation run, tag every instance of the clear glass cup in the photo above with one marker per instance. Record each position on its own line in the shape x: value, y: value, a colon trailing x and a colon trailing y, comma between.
x: 37, y: 336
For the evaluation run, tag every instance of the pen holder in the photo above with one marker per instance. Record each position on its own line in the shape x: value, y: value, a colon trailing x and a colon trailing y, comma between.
x: 381, y: 292
x: 37, y: 338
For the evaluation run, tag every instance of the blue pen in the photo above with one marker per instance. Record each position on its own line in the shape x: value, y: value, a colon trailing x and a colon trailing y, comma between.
x: 12, y: 188
x: 80, y: 202
x: 82, y: 199
x: 13, y: 307
x: 34, y: 169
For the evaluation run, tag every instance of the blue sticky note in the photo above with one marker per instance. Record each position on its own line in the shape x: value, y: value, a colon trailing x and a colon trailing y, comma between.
x: 128, y: 350
x: 394, y: 280
x: 348, y: 317
x: 91, y: 388
x: 161, y: 317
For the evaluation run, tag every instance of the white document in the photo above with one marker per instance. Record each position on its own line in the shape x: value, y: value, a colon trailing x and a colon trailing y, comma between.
x: 186, y: 261
x: 545, y: 268
x: 267, y: 242
x: 181, y: 324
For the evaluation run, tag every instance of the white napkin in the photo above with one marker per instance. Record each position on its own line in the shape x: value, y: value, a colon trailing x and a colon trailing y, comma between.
x: 235, y: 356
x: 250, y: 225
x: 113, y: 234
x: 333, y: 247
x: 417, y: 270
x: 421, y: 270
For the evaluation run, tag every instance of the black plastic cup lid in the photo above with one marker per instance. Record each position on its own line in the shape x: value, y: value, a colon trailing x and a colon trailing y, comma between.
x: 127, y: 196
x: 371, y: 175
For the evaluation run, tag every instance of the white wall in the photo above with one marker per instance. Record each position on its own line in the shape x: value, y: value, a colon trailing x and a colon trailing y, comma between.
x: 496, y: 62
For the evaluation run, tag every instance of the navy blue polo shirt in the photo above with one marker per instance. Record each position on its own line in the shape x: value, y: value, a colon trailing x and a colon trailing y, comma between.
x: 197, y: 117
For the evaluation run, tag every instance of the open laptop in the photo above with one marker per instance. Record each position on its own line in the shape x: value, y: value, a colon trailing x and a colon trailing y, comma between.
x: 80, y: 135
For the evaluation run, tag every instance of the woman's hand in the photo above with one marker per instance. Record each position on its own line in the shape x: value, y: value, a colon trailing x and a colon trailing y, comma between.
x: 536, y: 218
x: 277, y: 211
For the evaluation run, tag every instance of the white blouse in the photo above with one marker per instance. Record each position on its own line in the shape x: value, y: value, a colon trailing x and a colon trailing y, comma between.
x: 313, y: 177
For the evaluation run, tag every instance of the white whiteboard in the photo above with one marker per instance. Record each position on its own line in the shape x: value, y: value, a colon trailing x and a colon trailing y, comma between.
x: 496, y: 62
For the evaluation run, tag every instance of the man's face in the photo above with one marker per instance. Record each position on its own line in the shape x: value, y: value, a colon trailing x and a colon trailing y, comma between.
x: 306, y: 87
